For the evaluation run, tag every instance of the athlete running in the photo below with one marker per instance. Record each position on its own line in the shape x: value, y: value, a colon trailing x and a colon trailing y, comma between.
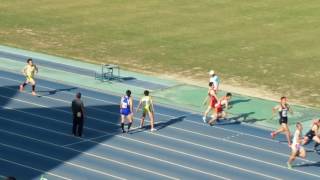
x: 296, y: 146
x: 147, y: 108
x: 213, y: 99
x: 29, y: 71
x: 283, y: 108
x: 312, y: 134
x: 126, y: 110
x: 222, y: 104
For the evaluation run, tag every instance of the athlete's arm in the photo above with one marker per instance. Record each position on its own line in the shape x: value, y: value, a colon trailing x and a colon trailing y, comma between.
x: 121, y: 100
x: 24, y: 71
x: 82, y: 109
x: 274, y: 110
x: 226, y: 103
x: 36, y: 68
x: 151, y: 102
x: 314, y: 129
x: 131, y: 105
x: 205, y: 100
x: 212, y: 93
x: 290, y: 109
x: 139, y: 105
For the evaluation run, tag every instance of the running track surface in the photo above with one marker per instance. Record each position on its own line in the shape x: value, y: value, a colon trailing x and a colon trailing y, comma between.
x: 36, y: 140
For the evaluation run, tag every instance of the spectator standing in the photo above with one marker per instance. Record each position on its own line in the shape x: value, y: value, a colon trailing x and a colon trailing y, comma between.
x: 214, y: 78
x: 78, y: 115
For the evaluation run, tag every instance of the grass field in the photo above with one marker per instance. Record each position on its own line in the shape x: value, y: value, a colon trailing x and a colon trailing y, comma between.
x: 266, y: 44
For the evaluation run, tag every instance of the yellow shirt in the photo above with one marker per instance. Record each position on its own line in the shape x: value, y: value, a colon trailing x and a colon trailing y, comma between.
x: 29, y: 71
x: 146, y: 103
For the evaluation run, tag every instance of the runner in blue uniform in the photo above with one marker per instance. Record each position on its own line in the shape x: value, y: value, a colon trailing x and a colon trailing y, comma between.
x: 126, y: 110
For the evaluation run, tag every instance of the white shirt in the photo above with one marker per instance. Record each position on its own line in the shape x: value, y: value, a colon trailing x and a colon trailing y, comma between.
x: 215, y: 80
x: 295, y: 139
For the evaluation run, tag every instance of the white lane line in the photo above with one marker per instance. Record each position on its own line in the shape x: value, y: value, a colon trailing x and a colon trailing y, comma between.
x: 35, y: 169
x: 137, y: 118
x: 116, y: 148
x: 174, y: 127
x: 86, y: 140
x: 138, y: 141
x: 234, y: 154
x: 110, y: 102
x: 61, y: 161
x: 134, y: 118
x: 199, y: 145
x: 183, y: 153
x: 238, y: 143
x: 177, y: 128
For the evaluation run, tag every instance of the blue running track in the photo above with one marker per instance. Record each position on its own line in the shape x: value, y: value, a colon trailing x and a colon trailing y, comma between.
x: 36, y: 140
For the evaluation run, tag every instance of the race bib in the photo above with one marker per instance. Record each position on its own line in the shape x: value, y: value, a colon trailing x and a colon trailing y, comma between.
x: 124, y: 105
x: 284, y: 113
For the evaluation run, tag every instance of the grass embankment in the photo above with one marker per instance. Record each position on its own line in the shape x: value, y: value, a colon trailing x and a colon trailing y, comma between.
x: 270, y: 45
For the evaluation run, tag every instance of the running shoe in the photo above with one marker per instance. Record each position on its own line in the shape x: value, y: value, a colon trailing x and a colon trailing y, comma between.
x: 289, y: 165
x: 273, y: 135
x: 204, y: 119
x: 33, y: 93
x: 153, y: 129
x: 212, y: 124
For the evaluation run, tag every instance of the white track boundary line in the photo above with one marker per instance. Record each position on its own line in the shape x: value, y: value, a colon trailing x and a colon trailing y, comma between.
x: 35, y: 169
x: 234, y: 154
x: 199, y: 145
x: 113, y: 147
x: 177, y: 128
x: 110, y: 102
x: 61, y: 161
x: 138, y: 141
x: 86, y: 140
x: 241, y: 144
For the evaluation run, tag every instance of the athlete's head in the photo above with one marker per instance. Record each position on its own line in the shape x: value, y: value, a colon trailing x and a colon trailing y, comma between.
x: 210, y: 84
x: 211, y: 73
x: 128, y: 93
x: 146, y: 93
x: 283, y: 99
x: 229, y: 95
x: 29, y: 61
x: 78, y: 95
x: 299, y: 126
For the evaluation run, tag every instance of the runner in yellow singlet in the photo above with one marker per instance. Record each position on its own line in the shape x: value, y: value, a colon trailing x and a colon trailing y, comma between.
x: 147, y: 108
x: 29, y: 72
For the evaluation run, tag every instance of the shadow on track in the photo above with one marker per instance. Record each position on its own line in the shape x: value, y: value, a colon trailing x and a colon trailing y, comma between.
x: 53, y: 92
x: 50, y: 125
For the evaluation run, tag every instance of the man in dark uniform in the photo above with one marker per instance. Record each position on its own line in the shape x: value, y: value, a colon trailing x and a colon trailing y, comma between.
x: 78, y: 115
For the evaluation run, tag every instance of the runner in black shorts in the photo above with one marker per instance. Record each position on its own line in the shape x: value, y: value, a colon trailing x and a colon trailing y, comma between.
x: 283, y: 108
x: 312, y: 134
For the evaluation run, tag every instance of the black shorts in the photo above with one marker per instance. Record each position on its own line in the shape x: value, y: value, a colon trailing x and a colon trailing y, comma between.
x: 310, y: 134
x: 283, y: 120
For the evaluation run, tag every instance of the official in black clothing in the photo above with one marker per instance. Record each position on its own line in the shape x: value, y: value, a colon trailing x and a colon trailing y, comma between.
x: 78, y: 115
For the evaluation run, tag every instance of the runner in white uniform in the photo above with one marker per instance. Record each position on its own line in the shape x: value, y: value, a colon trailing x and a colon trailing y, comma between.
x: 296, y: 146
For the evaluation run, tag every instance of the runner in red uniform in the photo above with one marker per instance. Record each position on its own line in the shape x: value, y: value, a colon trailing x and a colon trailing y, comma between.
x: 219, y: 108
x: 213, y: 99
